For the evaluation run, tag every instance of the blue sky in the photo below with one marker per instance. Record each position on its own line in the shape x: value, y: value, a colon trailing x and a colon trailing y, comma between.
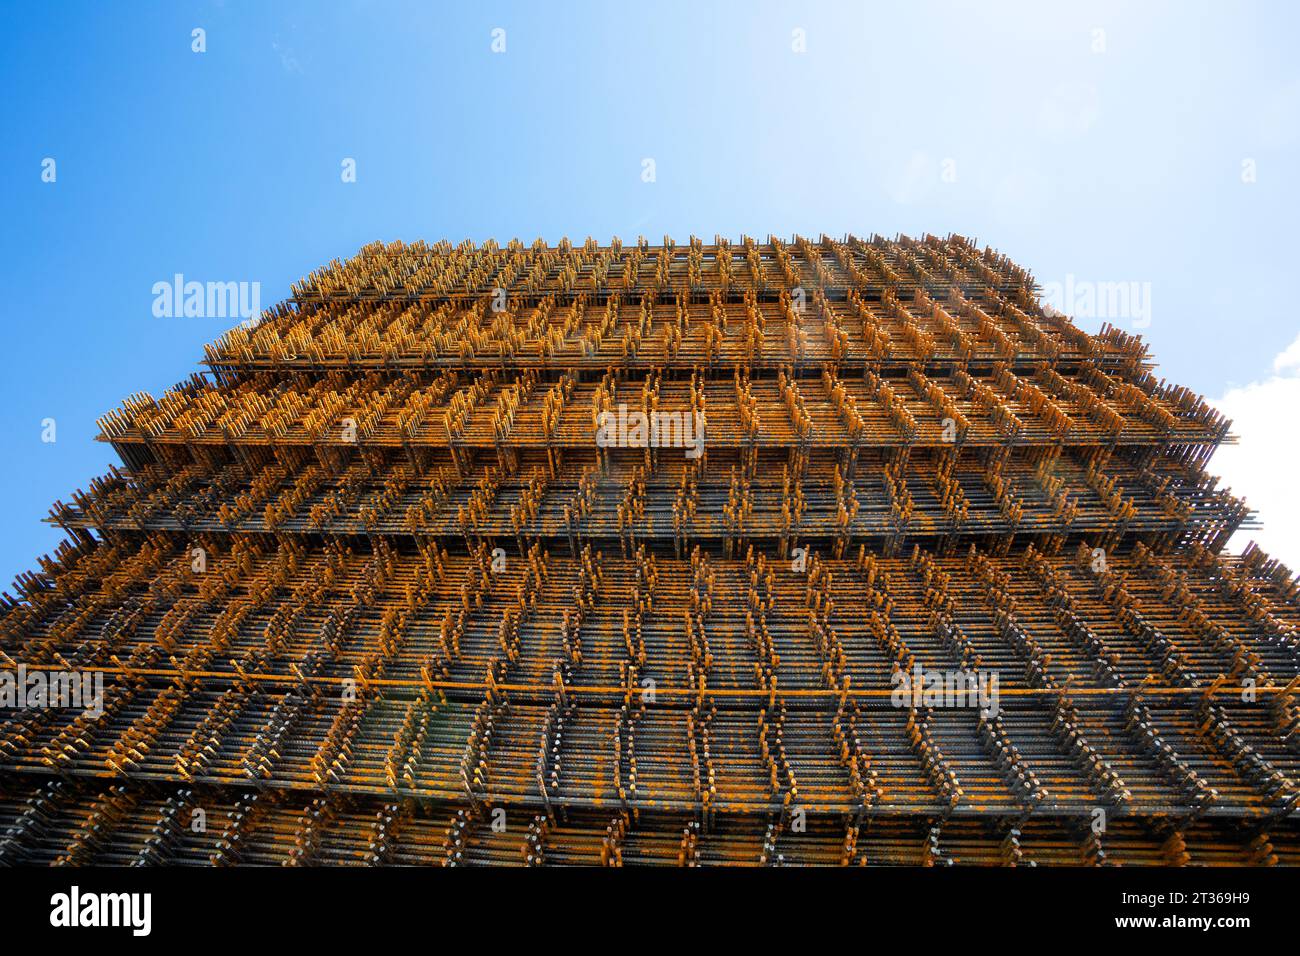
x: 1145, y: 143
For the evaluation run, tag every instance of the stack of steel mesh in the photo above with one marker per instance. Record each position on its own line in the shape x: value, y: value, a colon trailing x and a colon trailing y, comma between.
x: 819, y: 552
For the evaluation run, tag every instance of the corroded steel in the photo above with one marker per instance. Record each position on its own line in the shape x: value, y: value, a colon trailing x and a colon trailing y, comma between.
x: 396, y: 580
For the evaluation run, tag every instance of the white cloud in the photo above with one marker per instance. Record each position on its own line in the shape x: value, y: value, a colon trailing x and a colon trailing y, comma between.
x: 1261, y: 467
x: 1288, y: 360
